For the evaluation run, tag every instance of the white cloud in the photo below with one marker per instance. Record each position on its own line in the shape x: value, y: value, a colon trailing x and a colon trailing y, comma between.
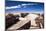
x: 28, y: 4
x: 19, y: 6
x: 13, y: 7
x: 25, y: 4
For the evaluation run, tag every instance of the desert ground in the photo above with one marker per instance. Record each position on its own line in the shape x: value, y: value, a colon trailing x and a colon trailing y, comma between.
x: 23, y: 21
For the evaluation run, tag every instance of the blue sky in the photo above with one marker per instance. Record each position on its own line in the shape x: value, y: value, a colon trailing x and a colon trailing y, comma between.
x: 18, y: 6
